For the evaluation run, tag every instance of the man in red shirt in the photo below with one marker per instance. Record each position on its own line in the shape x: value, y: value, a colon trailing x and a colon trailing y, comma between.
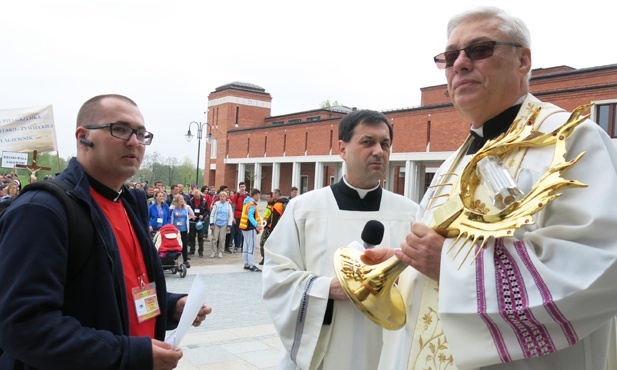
x: 115, y: 311
x: 237, y: 203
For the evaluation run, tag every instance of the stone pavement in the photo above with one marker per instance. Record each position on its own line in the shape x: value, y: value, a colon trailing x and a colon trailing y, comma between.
x: 238, y: 334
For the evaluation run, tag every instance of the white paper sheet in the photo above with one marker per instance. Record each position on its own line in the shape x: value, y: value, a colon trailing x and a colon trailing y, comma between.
x: 196, y: 299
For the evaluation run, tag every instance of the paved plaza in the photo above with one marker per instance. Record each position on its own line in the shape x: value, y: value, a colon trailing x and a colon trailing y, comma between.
x: 238, y: 334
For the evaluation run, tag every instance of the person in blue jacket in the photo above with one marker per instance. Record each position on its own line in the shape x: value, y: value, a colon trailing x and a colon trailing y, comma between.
x: 158, y: 213
x: 50, y: 320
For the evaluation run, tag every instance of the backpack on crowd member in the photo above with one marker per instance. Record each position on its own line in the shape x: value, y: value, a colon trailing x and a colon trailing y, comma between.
x: 81, y: 228
x: 277, y: 211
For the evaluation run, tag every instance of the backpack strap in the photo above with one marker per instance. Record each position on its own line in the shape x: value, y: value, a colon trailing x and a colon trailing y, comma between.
x: 81, y: 228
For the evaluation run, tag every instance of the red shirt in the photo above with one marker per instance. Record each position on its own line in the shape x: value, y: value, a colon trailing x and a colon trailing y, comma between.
x: 132, y: 259
x: 238, y: 201
x: 209, y: 200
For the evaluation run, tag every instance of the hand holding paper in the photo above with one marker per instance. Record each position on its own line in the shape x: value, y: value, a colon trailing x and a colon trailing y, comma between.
x: 191, y: 312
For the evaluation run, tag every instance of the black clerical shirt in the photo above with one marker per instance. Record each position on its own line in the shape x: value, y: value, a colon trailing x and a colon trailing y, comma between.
x: 348, y: 199
x: 493, y: 128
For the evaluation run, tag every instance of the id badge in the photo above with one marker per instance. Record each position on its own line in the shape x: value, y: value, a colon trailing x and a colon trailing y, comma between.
x: 197, y: 210
x: 178, y: 223
x: 146, y: 304
x: 159, y: 220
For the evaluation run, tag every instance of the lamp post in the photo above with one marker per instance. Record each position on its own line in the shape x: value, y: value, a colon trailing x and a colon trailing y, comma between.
x: 189, y: 136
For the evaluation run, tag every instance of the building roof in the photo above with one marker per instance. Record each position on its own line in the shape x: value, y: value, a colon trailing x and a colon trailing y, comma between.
x: 237, y: 85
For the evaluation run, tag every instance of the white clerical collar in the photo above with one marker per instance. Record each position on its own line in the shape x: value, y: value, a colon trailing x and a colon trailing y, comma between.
x: 480, y: 130
x: 361, y: 192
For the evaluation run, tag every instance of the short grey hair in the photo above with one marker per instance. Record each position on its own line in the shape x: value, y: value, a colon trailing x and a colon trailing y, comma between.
x: 515, y: 29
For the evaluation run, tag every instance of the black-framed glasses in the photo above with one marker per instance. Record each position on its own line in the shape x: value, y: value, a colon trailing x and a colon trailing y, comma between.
x: 124, y: 132
x: 479, y: 50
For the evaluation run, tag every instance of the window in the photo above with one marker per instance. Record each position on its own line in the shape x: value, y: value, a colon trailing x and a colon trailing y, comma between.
x: 277, y: 123
x: 297, y: 120
x: 313, y: 119
x: 606, y: 117
x: 213, y: 149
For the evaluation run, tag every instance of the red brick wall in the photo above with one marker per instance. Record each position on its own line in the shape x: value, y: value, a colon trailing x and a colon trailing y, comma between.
x: 447, y: 127
x: 285, y: 179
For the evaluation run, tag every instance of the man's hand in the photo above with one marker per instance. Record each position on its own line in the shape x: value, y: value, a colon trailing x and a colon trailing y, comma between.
x: 337, y: 292
x: 163, y: 357
x: 201, y: 315
x: 422, y: 250
x: 374, y: 256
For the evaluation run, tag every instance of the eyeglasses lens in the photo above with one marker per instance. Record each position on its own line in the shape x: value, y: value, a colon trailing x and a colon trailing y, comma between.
x: 125, y: 133
x: 474, y: 52
x: 480, y: 51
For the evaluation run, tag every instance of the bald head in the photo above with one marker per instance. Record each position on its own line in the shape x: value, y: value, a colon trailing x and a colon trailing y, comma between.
x: 90, y: 109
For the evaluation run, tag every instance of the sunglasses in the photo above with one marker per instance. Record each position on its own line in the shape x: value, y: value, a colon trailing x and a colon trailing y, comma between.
x: 478, y: 51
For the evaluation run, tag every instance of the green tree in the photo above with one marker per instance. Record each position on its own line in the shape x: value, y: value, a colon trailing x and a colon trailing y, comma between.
x: 327, y: 104
x: 171, y: 163
x: 156, y: 167
x: 186, y: 173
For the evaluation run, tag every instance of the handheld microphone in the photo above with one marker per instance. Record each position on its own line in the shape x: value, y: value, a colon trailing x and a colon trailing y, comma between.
x: 86, y: 142
x: 372, y: 235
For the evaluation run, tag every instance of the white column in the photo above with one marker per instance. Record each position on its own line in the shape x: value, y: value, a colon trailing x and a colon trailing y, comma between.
x: 319, y: 172
x: 414, y: 180
x: 407, y: 189
x: 257, y: 176
x: 241, y: 172
x: 389, y: 177
x: 295, y: 174
x: 276, y: 175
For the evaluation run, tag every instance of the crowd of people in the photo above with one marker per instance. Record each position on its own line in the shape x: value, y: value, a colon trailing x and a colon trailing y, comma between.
x: 215, y: 215
x: 9, y: 187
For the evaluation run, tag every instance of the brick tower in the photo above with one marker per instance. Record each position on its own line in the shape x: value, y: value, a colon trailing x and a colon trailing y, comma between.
x: 233, y: 106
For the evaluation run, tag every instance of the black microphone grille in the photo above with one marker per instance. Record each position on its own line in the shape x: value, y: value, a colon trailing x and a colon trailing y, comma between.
x: 373, y: 232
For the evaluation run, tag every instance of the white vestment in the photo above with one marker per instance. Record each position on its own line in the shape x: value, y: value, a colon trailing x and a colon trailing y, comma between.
x: 298, y: 271
x: 543, y: 299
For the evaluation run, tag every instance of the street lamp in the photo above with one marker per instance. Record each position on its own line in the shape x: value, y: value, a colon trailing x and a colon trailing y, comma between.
x: 189, y: 136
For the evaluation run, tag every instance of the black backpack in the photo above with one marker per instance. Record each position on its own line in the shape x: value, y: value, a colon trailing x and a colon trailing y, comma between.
x: 81, y: 229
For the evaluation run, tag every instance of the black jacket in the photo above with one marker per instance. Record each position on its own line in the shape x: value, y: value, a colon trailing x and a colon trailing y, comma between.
x: 48, y: 322
x: 204, y: 209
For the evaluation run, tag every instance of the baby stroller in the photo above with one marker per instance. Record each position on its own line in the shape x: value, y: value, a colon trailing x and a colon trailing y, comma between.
x: 167, y: 241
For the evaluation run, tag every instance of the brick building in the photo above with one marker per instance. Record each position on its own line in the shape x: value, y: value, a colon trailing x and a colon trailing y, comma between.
x: 301, y: 149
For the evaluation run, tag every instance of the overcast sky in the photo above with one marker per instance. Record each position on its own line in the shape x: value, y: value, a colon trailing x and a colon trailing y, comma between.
x: 168, y: 56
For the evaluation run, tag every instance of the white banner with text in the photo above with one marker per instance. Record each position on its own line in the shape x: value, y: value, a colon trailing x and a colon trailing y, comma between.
x: 28, y: 129
x: 10, y: 159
